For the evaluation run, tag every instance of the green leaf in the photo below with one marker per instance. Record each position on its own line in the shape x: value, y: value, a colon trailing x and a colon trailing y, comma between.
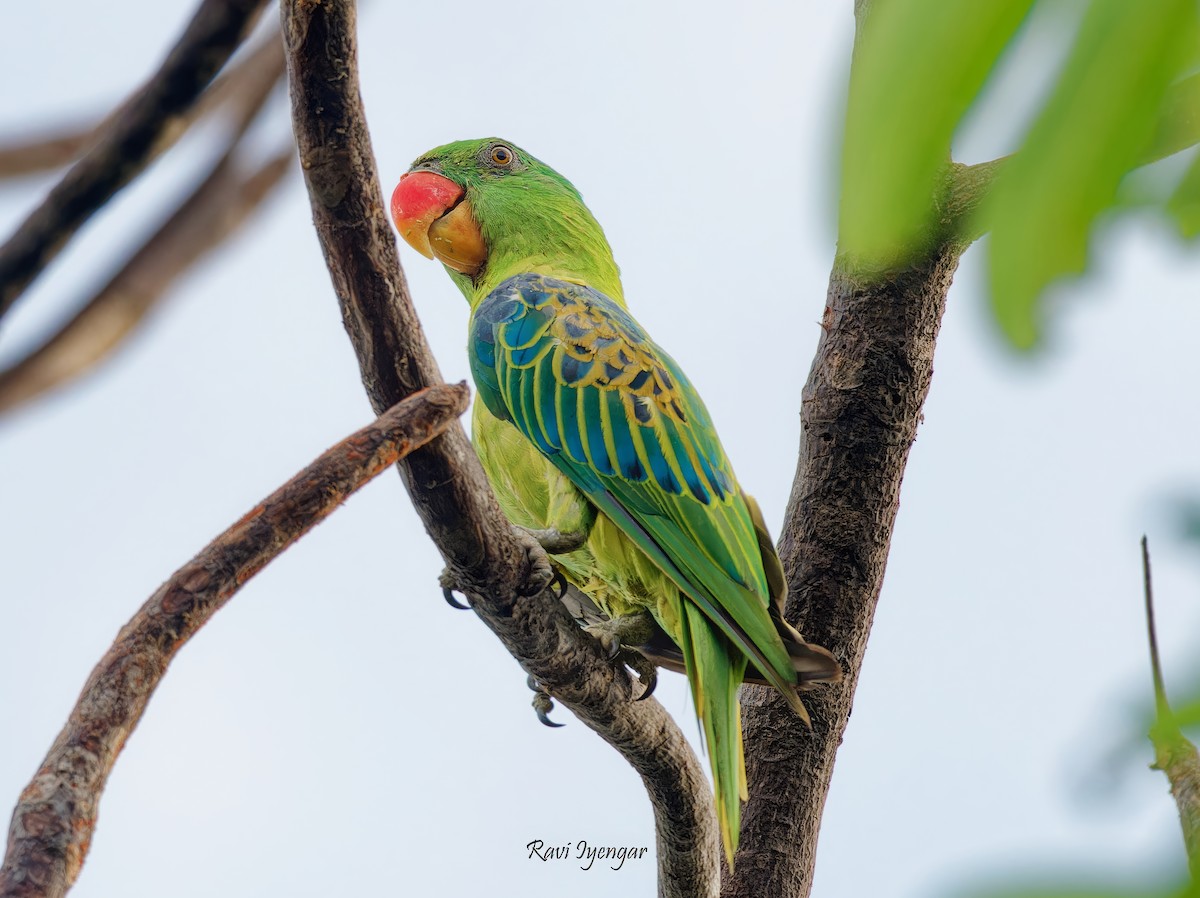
x: 1184, y: 204
x: 1095, y: 127
x: 1178, y: 126
x: 918, y: 66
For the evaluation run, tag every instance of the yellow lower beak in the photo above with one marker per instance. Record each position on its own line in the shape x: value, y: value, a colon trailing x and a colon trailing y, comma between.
x: 456, y: 241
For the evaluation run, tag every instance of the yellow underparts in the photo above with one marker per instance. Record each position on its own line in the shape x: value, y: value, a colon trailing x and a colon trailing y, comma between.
x: 609, y: 568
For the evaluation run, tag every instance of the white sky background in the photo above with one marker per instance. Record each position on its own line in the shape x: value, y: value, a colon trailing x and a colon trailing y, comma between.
x: 338, y: 730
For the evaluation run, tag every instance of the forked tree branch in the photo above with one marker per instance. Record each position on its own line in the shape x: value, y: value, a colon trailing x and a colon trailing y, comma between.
x: 52, y: 825
x: 859, y: 416
x: 860, y: 410
x: 484, y: 558
x: 129, y: 142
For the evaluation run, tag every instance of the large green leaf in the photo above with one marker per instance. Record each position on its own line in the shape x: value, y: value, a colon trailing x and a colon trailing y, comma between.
x: 1095, y: 127
x: 918, y: 66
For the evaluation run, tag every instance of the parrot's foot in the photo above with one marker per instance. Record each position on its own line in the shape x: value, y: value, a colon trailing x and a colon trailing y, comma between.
x: 543, y: 704
x: 447, y: 583
x: 555, y: 542
x: 619, y: 638
x: 539, y: 572
x: 619, y: 632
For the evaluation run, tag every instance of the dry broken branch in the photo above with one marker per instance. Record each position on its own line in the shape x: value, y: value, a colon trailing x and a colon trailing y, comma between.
x: 133, y: 138
x: 52, y: 825
x: 484, y: 558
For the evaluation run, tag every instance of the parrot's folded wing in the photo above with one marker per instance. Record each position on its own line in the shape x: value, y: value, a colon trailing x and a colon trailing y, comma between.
x: 580, y: 378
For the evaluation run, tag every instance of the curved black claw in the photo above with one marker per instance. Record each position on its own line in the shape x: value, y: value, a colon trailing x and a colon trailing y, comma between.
x: 649, y: 680
x: 448, y: 595
x: 543, y: 705
x: 646, y: 670
x: 559, y: 583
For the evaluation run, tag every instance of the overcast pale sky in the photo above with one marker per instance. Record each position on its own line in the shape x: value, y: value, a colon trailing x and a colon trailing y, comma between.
x: 338, y: 730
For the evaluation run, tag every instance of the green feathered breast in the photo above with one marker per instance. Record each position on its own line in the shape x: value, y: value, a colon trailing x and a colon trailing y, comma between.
x: 580, y: 379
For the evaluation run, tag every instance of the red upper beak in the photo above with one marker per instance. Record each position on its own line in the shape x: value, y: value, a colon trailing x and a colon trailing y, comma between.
x: 437, y: 221
x: 418, y: 201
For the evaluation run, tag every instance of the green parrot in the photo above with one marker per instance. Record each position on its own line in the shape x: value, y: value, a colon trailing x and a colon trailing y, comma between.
x: 596, y: 441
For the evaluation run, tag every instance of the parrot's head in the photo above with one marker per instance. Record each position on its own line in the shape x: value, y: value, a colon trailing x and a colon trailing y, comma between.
x: 488, y: 210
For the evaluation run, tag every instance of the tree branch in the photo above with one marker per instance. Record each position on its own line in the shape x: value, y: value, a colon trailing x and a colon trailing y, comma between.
x: 485, y: 559
x: 218, y: 206
x: 216, y: 209
x: 860, y: 411
x: 1174, y: 754
x: 134, y: 138
x: 52, y: 825
x: 51, y: 150
x: 45, y: 151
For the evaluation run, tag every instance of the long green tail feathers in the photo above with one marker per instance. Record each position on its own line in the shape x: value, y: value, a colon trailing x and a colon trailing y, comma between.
x: 715, y: 677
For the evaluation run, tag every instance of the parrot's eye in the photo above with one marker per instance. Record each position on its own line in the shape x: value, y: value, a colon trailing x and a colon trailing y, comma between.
x: 502, y: 155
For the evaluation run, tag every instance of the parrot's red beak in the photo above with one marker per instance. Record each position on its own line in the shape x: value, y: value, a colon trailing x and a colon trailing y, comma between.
x: 434, y: 219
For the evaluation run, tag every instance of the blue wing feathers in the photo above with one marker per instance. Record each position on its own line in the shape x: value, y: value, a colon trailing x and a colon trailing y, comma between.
x: 593, y: 431
x: 566, y: 403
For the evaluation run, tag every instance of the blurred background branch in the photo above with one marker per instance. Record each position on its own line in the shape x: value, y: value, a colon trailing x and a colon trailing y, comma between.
x: 220, y: 203
x: 143, y: 127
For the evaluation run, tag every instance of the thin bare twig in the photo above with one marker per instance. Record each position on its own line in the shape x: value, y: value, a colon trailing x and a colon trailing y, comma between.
x: 1174, y: 754
x: 484, y: 558
x: 128, y: 143
x: 1162, y: 709
x: 218, y: 206
x: 52, y: 825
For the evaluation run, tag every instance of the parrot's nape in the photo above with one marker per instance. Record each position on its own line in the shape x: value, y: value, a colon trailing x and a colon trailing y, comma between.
x: 590, y: 432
